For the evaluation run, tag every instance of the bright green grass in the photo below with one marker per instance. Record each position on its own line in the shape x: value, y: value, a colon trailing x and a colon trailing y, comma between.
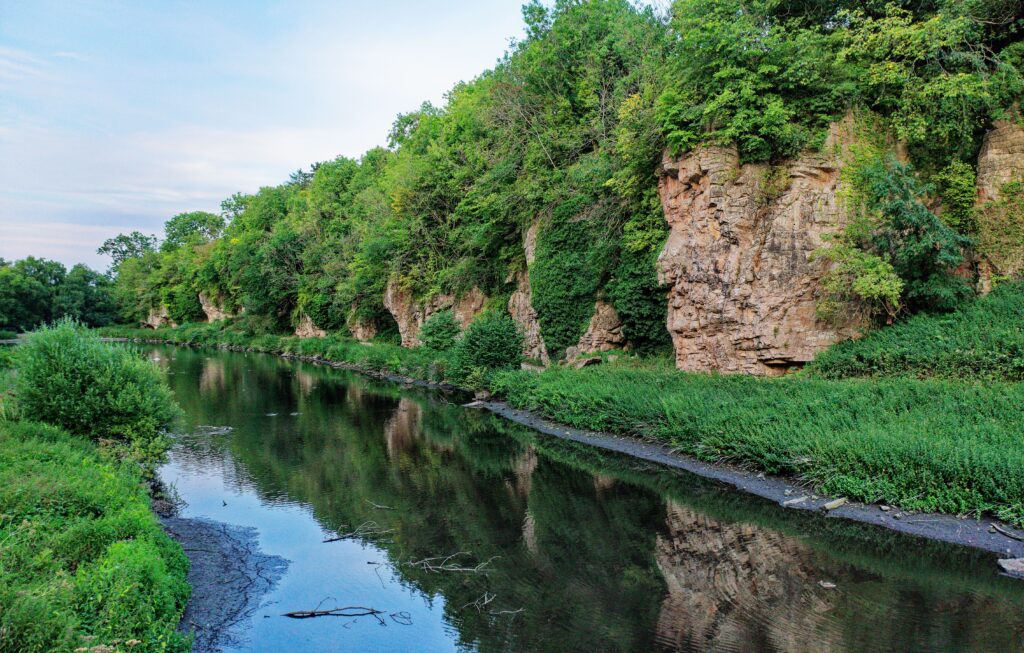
x: 983, y: 340
x: 928, y: 445
x: 83, y: 561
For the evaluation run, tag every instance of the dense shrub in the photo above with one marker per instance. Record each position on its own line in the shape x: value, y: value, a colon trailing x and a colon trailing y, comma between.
x: 491, y: 342
x: 982, y: 340
x: 440, y: 331
x: 67, y: 377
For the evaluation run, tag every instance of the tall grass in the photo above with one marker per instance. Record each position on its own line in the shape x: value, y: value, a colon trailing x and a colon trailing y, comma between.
x: 982, y: 340
x: 928, y: 445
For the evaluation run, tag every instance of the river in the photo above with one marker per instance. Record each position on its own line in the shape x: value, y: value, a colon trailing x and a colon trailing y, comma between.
x: 469, y: 533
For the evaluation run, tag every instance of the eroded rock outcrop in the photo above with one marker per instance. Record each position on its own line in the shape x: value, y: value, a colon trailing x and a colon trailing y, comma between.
x: 159, y: 317
x: 1000, y: 225
x: 362, y: 331
x: 306, y: 328
x: 743, y: 287
x: 213, y: 307
x: 520, y: 304
x: 1001, y: 159
x: 604, y: 333
x: 410, y: 314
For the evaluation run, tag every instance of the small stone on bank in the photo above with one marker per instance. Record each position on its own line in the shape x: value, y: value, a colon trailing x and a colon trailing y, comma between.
x: 835, y: 503
x: 827, y: 585
x: 1013, y: 566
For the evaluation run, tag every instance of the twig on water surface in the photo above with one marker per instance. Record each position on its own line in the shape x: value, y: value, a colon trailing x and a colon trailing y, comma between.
x: 347, y: 611
x: 444, y: 563
x: 378, y: 506
x: 481, y: 602
x: 363, y: 530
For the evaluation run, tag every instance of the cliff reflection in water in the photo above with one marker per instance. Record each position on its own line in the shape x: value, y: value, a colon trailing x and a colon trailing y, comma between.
x: 587, y: 551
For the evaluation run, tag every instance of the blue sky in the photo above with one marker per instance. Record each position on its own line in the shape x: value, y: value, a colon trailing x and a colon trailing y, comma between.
x: 115, y: 116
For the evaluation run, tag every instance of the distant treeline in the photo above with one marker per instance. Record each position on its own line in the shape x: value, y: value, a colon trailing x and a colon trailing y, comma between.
x: 568, y: 130
x: 35, y: 291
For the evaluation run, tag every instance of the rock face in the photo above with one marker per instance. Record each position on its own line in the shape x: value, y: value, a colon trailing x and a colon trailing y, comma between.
x: 410, y: 314
x: 604, y: 333
x: 306, y: 328
x: 520, y: 304
x: 742, y: 286
x: 158, y: 317
x: 1001, y: 159
x: 1000, y: 231
x: 363, y: 331
x: 214, y: 308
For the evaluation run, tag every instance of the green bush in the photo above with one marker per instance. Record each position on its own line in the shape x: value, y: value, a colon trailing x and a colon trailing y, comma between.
x: 67, y: 377
x: 440, y: 331
x: 491, y: 343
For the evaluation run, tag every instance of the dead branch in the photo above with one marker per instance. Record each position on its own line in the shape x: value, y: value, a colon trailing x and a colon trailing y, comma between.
x: 347, y: 611
x: 378, y: 506
x: 481, y: 602
x: 363, y: 530
x: 438, y: 564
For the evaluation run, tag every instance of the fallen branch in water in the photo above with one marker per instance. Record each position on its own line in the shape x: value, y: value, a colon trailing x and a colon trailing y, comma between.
x: 363, y: 530
x: 378, y: 506
x: 444, y: 563
x: 347, y: 611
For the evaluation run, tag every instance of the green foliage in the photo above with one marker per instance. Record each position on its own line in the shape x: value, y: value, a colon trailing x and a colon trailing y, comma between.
x: 83, y: 561
x: 639, y: 300
x: 922, y: 249
x: 744, y: 75
x: 124, y: 247
x: 567, y: 273
x: 69, y: 378
x: 491, y: 343
x: 956, y: 185
x: 926, y: 445
x: 440, y: 331
x: 982, y: 340
x: 859, y: 286
x: 191, y: 228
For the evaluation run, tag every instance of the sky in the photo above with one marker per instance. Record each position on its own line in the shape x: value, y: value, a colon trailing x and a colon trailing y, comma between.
x: 115, y: 116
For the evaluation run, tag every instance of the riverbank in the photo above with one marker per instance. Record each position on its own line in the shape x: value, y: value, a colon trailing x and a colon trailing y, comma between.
x: 84, y: 563
x: 914, y: 446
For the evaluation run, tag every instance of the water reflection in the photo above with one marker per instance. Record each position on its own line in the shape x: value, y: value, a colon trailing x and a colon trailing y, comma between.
x: 585, y: 551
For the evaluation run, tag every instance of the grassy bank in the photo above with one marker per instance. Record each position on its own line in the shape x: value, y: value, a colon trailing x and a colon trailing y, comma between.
x: 84, y: 563
x: 983, y: 340
x: 936, y: 445
x: 929, y: 445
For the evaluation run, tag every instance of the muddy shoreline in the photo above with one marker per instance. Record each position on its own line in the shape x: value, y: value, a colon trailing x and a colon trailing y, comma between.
x: 986, y: 533
x: 229, y: 576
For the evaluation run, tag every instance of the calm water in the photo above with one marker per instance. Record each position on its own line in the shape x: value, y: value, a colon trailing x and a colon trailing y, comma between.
x: 580, y: 550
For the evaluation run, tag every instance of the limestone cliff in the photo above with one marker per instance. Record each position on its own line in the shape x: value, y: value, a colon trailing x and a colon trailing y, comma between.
x: 520, y: 304
x: 306, y: 328
x: 604, y: 333
x: 213, y: 307
x: 410, y: 314
x: 158, y: 317
x: 1000, y: 226
x: 743, y: 287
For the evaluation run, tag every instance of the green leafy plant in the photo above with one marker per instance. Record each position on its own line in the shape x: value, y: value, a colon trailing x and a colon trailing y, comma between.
x: 69, y: 378
x: 492, y: 342
x: 440, y: 331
